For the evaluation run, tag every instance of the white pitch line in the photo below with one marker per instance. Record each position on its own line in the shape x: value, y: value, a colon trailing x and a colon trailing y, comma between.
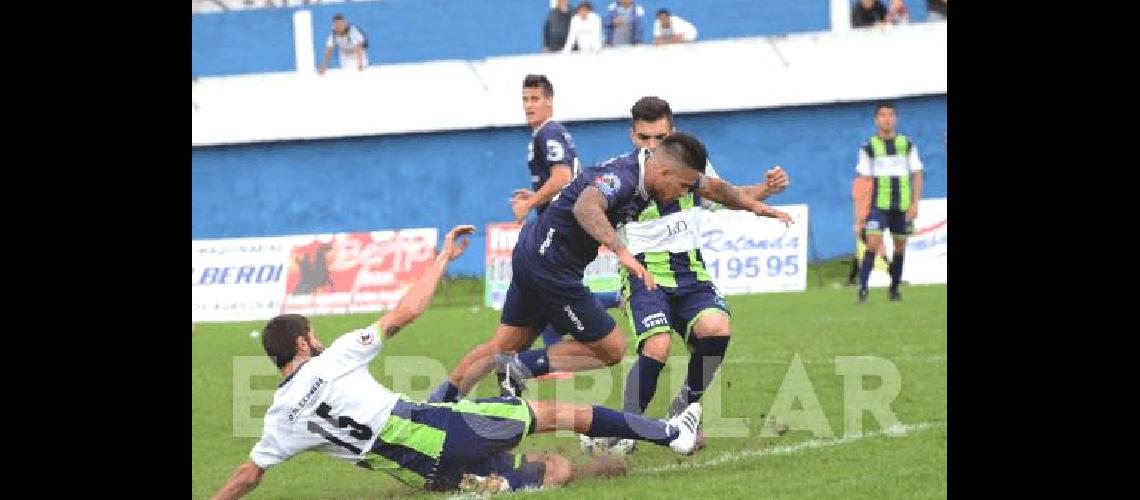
x: 905, y: 358
x: 896, y: 431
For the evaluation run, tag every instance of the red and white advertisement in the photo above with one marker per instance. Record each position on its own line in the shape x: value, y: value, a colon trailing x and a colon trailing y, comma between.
x: 501, y: 239
x: 600, y: 276
x: 355, y: 272
x: 926, y: 249
x: 925, y: 261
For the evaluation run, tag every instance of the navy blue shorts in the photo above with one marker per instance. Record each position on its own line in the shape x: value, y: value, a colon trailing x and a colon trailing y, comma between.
x: 668, y: 309
x: 515, y: 468
x: 893, y: 220
x: 538, y: 299
x: 432, y: 445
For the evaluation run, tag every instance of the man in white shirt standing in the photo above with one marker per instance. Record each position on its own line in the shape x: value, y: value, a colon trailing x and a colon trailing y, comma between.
x: 350, y: 43
x: 585, y: 30
x: 672, y: 29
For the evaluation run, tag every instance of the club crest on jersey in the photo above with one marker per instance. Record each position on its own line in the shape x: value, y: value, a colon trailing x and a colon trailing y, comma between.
x: 366, y: 338
x: 608, y: 183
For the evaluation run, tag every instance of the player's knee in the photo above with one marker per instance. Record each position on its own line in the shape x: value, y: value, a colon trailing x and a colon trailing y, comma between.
x: 558, y: 470
x: 900, y: 246
x: 611, y: 349
x: 713, y: 325
x: 657, y: 347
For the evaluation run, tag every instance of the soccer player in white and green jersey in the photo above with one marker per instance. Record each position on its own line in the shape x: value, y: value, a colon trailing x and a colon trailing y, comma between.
x: 329, y: 402
x: 886, y: 190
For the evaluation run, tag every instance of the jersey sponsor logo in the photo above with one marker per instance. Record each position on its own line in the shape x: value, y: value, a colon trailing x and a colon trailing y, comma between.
x: 655, y: 319
x: 574, y: 318
x: 306, y: 399
x: 608, y: 183
x: 554, y: 151
x: 678, y: 228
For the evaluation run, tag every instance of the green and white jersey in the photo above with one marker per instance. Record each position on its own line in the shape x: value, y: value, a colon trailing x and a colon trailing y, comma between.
x: 890, y: 163
x: 666, y: 240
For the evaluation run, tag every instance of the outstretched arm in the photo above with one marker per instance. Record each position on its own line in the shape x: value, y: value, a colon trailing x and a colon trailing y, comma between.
x: 775, y: 182
x: 246, y: 477
x: 726, y: 194
x: 417, y: 298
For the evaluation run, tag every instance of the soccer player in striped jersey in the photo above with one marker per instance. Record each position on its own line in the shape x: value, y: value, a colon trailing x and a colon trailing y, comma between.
x: 887, y: 187
x: 328, y: 401
x: 666, y: 239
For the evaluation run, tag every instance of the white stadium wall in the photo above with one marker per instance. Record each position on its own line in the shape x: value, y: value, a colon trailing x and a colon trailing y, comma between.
x: 722, y: 75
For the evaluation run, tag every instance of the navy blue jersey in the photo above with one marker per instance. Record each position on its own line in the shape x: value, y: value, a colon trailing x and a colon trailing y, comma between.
x: 550, y: 145
x: 557, y: 243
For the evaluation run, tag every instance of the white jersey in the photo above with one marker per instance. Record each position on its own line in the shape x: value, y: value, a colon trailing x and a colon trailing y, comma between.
x: 330, y: 403
x: 677, y: 232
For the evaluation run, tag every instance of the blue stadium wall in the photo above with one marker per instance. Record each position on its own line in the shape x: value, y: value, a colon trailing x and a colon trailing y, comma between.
x: 261, y: 40
x: 443, y: 179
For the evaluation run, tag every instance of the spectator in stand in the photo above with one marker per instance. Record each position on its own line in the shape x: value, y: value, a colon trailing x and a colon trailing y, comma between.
x: 624, y: 23
x: 585, y: 30
x: 935, y: 10
x: 349, y: 42
x: 868, y: 13
x: 897, y: 13
x: 672, y: 29
x: 557, y: 27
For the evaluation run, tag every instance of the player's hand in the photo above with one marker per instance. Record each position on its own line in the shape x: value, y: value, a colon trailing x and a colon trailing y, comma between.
x: 776, y: 180
x: 912, y: 214
x: 520, y: 204
x: 453, y: 246
x: 781, y: 215
x: 321, y: 71
x: 636, y: 269
x: 520, y: 208
x: 859, y: 231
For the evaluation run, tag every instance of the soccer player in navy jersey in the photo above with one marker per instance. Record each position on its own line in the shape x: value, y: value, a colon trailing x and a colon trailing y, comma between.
x: 553, y: 251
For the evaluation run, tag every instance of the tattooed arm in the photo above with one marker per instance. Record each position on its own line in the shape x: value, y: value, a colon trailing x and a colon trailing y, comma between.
x: 726, y: 194
x: 590, y: 212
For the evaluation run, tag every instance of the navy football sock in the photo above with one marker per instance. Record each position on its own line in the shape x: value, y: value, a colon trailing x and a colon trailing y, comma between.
x: 641, y: 383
